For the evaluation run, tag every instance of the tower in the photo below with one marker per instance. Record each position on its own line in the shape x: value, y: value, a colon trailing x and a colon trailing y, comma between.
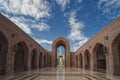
x: 60, y: 50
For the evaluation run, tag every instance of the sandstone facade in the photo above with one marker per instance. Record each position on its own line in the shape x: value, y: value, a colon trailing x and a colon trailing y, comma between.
x: 19, y: 52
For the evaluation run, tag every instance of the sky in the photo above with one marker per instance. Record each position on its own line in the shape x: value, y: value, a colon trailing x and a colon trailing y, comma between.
x: 75, y: 20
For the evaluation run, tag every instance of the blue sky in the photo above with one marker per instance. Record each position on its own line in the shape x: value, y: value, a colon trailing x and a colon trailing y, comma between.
x: 46, y: 20
x: 62, y: 51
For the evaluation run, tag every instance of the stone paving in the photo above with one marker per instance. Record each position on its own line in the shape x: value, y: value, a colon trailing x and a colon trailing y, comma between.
x: 59, y: 73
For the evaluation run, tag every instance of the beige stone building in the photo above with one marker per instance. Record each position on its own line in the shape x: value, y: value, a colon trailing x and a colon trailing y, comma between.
x: 19, y: 52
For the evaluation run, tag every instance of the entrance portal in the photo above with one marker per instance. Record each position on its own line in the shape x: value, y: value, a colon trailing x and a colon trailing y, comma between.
x: 61, y: 42
x: 60, y: 56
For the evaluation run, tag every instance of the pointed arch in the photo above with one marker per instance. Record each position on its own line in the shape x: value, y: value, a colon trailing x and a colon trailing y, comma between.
x: 87, y: 59
x: 45, y: 60
x: 20, y: 58
x: 80, y: 60
x: 99, y: 57
x: 3, y: 53
x: 116, y: 54
x: 77, y: 61
x: 63, y: 42
x: 34, y: 59
x: 40, y: 60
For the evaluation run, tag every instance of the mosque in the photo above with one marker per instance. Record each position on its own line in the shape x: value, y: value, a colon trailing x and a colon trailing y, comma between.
x: 98, y: 57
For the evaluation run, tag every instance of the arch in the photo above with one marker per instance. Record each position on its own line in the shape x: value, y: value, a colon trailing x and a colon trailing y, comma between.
x: 45, y: 60
x: 40, y: 60
x: 34, y: 59
x: 99, y: 57
x: 116, y: 54
x: 20, y: 58
x: 87, y: 59
x: 61, y: 42
x: 60, y: 56
x: 77, y: 65
x: 80, y: 61
x: 3, y: 53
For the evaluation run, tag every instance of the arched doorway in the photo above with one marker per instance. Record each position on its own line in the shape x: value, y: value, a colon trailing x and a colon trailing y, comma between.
x: 77, y: 61
x: 45, y: 57
x: 60, y: 42
x: 34, y: 59
x: 80, y: 60
x: 116, y: 55
x: 60, y: 56
x: 3, y: 53
x: 100, y: 58
x: 40, y: 60
x: 119, y: 52
x: 20, y: 59
x: 87, y: 59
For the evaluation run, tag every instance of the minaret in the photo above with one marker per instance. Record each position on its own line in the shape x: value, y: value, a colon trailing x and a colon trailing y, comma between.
x: 60, y: 50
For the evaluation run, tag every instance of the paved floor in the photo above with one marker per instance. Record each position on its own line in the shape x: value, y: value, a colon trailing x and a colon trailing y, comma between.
x: 59, y: 73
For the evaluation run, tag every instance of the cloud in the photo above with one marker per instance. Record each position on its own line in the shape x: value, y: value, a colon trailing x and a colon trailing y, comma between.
x: 41, y: 27
x: 20, y: 23
x: 109, y: 8
x: 79, y: 1
x: 34, y: 8
x: 27, y: 14
x: 45, y: 43
x: 63, y: 3
x: 76, y: 36
x: 23, y: 24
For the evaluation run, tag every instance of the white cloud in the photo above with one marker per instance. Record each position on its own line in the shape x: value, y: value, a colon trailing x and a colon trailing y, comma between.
x: 22, y: 23
x: 109, y: 8
x: 34, y: 8
x: 76, y: 36
x: 62, y: 3
x: 75, y: 26
x: 19, y: 22
x: 41, y: 27
x: 76, y: 45
x: 45, y: 43
x: 18, y: 10
x: 79, y: 1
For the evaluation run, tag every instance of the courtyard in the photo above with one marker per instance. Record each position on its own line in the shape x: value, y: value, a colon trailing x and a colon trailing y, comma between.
x: 39, y: 37
x: 59, y: 73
